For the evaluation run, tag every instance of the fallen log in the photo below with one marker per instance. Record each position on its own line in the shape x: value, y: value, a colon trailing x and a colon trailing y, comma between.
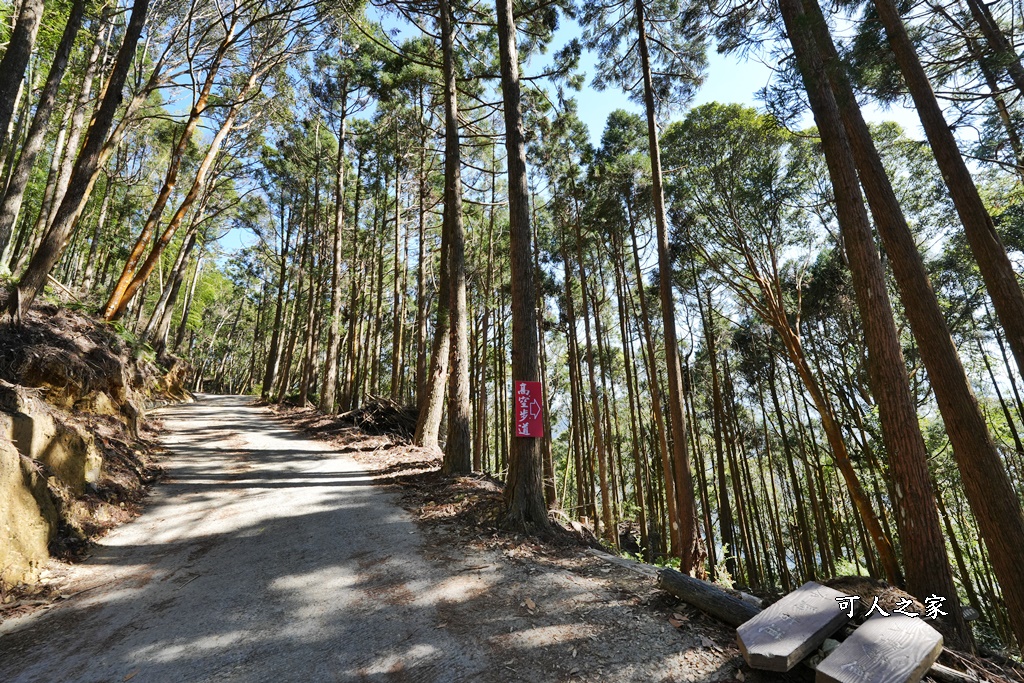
x: 383, y: 417
x: 707, y: 597
x: 632, y: 565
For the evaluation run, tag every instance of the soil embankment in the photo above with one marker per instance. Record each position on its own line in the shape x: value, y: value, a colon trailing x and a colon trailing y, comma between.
x: 74, y: 457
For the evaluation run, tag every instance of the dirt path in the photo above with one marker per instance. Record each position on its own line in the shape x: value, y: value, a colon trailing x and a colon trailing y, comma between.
x: 265, y: 556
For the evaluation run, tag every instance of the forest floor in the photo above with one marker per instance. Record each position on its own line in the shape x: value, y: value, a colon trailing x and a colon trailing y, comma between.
x: 549, y: 610
x: 639, y: 632
x: 268, y: 555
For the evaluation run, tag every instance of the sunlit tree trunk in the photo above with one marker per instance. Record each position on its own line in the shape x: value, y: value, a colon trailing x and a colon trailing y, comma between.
x: 329, y: 392
x: 985, y: 480
x: 86, y: 170
x: 15, y: 60
x: 690, y: 547
x: 993, y: 262
x: 458, y: 446
x: 12, y: 198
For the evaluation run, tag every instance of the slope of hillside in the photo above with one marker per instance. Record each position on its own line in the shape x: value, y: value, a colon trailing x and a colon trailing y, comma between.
x: 74, y: 457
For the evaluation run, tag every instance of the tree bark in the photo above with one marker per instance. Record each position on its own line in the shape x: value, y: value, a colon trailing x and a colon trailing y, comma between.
x: 87, y: 168
x: 654, y: 384
x: 431, y: 405
x: 927, y: 566
x: 458, y: 451
x: 690, y: 550
x: 993, y: 262
x: 115, y: 310
x: 12, y: 198
x: 998, y: 43
x: 607, y: 530
x: 328, y: 396
x: 177, y: 273
x: 273, y: 353
x: 15, y: 60
x: 707, y: 597
x: 119, y: 297
x: 524, y: 489
x: 186, y: 307
x: 988, y: 488
x: 158, y: 335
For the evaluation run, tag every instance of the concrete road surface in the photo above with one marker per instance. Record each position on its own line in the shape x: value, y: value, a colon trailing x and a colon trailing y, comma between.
x: 262, y: 556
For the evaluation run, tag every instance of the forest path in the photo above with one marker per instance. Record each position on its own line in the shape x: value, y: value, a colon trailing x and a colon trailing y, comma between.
x: 262, y: 556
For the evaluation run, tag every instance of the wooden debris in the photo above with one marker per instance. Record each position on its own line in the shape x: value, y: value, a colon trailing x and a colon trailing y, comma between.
x: 707, y: 597
x: 631, y: 565
x: 893, y: 649
x: 948, y: 675
x: 382, y: 416
x: 786, y: 632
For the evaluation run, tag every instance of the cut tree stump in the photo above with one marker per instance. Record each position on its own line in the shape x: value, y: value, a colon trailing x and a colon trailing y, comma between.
x: 893, y: 649
x: 707, y: 597
x: 789, y: 630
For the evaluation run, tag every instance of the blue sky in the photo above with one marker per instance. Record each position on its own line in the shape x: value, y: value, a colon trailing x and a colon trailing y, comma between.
x: 729, y: 79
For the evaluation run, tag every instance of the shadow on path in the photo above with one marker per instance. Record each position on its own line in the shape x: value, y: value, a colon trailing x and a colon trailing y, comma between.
x: 261, y: 557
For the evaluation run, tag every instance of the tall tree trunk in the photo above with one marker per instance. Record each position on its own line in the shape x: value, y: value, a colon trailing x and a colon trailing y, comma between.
x: 329, y: 392
x: 421, y: 263
x: 458, y: 449
x: 273, y: 354
x: 12, y: 198
x: 160, y: 330
x: 86, y: 170
x: 993, y: 262
x: 550, y: 483
x: 524, y: 488
x: 725, y: 518
x: 15, y: 60
x: 1000, y: 46
x: 632, y: 393
x: 89, y: 277
x: 988, y: 488
x: 116, y: 310
x: 292, y: 323
x: 607, y: 530
x: 654, y: 383
x: 397, y: 283
x: 691, y: 551
x: 431, y: 406
x: 177, y: 274
x: 354, y: 346
x: 186, y: 307
x: 119, y: 298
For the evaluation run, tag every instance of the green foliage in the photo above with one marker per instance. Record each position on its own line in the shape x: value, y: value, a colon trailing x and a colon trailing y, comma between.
x: 845, y: 567
x: 676, y: 42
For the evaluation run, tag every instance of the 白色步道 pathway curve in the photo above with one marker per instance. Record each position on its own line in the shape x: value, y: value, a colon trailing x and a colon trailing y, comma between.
x: 262, y: 556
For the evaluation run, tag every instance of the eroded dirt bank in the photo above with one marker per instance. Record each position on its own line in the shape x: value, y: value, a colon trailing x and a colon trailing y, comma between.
x: 74, y: 455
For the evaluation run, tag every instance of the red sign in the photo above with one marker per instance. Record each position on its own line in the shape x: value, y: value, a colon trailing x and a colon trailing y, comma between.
x: 529, y: 409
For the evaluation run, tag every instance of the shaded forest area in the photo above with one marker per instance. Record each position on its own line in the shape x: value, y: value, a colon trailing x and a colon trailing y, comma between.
x: 770, y: 352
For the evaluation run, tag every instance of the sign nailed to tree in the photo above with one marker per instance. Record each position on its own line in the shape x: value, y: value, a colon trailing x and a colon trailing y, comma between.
x: 529, y: 409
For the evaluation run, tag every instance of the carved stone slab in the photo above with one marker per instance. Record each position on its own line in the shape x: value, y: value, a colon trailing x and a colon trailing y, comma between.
x: 786, y: 632
x: 893, y: 649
